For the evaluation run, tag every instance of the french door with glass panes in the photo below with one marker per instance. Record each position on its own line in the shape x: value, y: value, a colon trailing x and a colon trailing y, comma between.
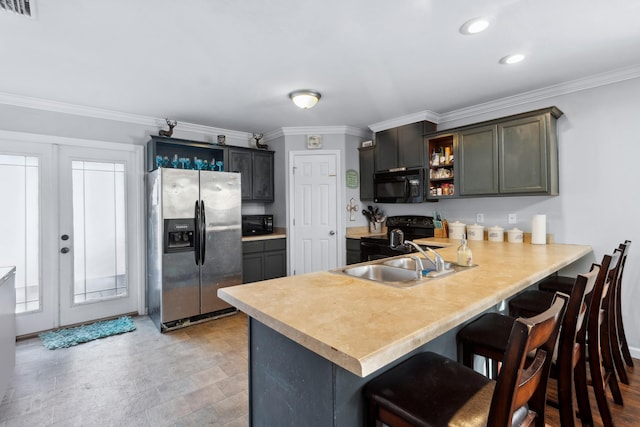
x: 67, y: 218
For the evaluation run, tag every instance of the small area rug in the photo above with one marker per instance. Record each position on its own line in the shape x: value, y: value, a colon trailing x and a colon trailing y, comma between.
x: 68, y: 337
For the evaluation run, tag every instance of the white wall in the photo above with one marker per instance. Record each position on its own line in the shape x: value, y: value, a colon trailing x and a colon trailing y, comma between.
x: 599, y: 151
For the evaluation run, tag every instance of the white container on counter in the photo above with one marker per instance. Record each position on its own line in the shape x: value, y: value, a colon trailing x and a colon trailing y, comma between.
x: 475, y: 232
x: 456, y: 230
x: 515, y: 235
x: 496, y: 234
x: 539, y: 230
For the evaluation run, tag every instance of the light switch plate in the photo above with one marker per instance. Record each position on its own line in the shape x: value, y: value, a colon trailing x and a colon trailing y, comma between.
x: 480, y: 218
x: 512, y: 218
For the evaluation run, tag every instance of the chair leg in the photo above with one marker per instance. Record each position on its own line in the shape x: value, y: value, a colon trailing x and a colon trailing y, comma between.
x: 582, y: 390
x: 626, y: 354
x: 609, y: 371
x: 565, y: 396
x: 614, y: 337
x: 616, y: 353
x: 598, y: 383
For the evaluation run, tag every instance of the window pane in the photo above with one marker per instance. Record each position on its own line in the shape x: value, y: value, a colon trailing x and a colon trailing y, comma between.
x: 20, y: 227
x: 99, y: 231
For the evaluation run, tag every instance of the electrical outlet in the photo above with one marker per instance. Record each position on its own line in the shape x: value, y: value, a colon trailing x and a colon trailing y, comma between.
x: 480, y: 218
x: 512, y: 218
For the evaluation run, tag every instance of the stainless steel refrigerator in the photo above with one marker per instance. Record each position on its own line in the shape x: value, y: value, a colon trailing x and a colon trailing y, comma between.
x: 194, y: 244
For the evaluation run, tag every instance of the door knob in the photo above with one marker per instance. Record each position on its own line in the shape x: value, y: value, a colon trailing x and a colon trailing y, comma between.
x: 64, y: 250
x: 331, y: 233
x: 65, y: 237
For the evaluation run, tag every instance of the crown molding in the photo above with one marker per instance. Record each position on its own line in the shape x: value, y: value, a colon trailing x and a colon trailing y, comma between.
x: 405, y: 120
x: 615, y: 76
x: 98, y: 113
x: 603, y: 79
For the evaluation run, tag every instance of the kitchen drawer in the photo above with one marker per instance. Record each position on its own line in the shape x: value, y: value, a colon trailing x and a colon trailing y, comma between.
x: 252, y: 247
x: 275, y: 244
x: 264, y: 245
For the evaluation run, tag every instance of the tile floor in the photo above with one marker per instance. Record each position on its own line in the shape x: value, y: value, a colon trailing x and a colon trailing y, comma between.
x: 195, y: 376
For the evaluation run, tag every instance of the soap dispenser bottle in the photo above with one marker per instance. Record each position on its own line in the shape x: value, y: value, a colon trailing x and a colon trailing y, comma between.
x: 465, y: 258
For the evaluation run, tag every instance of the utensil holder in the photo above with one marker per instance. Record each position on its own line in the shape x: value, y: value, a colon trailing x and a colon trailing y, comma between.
x: 375, y: 227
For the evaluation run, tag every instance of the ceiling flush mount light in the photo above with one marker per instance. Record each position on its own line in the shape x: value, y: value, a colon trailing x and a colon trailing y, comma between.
x: 512, y: 59
x: 475, y: 26
x: 305, y: 99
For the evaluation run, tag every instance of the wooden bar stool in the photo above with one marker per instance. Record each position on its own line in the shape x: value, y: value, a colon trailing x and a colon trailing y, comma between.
x: 486, y: 337
x: 620, y: 353
x: 621, y: 350
x: 597, y: 342
x: 431, y: 390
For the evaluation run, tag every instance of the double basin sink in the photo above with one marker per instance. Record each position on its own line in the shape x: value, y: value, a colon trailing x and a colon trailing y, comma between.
x: 400, y: 272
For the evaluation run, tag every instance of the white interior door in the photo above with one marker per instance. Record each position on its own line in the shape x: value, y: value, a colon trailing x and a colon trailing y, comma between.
x: 97, y: 218
x: 314, y: 219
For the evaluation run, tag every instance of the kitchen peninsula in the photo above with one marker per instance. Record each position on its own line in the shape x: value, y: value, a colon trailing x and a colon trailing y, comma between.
x: 316, y: 339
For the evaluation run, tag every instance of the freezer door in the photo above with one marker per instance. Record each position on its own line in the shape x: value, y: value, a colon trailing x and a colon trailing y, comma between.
x: 180, y: 274
x: 222, y: 263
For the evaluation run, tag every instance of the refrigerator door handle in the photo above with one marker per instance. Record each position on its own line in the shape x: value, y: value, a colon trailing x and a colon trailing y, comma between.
x: 197, y: 233
x: 203, y: 233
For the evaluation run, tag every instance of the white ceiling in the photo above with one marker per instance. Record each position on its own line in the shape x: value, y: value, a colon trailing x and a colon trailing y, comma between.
x: 231, y: 63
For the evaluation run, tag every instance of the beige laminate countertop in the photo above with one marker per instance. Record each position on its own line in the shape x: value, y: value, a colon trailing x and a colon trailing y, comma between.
x: 362, y: 325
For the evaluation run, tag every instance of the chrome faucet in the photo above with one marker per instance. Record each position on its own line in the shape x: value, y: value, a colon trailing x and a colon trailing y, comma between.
x: 437, y: 259
x: 396, y: 240
x: 419, y: 266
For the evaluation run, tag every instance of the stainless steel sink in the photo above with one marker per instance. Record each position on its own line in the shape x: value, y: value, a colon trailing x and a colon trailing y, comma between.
x: 410, y: 263
x: 383, y: 273
x: 399, y: 272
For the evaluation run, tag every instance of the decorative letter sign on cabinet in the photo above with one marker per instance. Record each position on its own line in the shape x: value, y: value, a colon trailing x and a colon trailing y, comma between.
x: 183, y: 154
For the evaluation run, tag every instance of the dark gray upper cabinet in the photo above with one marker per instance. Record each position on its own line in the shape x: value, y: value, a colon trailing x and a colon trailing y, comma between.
x: 524, y: 157
x: 386, y: 149
x: 478, y: 160
x: 240, y: 161
x: 256, y: 167
x: 367, y: 165
x: 402, y: 146
x: 516, y: 155
x: 262, y: 180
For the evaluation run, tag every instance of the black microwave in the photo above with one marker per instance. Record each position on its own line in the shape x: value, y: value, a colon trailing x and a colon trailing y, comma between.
x: 253, y: 225
x: 399, y: 186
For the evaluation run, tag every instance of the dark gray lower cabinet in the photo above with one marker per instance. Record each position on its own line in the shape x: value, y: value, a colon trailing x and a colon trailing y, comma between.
x: 353, y: 251
x: 264, y: 259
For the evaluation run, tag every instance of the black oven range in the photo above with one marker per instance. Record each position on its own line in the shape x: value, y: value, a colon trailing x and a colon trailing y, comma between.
x: 413, y: 226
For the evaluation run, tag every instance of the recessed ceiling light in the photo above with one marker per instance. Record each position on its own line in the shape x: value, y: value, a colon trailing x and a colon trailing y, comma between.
x: 475, y: 26
x: 512, y: 59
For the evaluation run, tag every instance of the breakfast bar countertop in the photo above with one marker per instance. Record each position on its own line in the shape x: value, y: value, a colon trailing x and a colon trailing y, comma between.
x: 362, y: 325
